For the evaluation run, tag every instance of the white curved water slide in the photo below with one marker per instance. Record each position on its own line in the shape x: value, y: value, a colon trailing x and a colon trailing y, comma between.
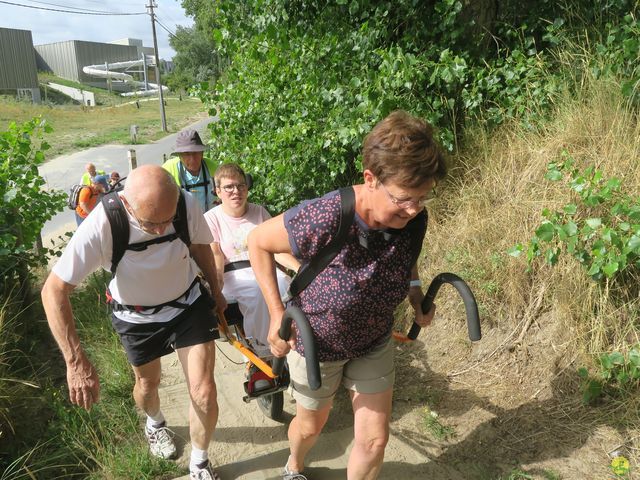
x: 107, y: 70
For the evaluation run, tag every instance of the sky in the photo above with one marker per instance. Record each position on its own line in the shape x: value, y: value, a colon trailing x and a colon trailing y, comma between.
x: 49, y: 26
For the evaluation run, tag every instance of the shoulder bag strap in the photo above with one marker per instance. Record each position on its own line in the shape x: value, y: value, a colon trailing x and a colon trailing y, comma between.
x: 324, y: 257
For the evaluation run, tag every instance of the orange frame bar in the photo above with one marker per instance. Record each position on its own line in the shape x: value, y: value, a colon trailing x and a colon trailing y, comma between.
x: 257, y: 361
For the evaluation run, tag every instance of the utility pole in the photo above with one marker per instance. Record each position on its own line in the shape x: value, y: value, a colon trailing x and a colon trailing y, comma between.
x: 151, y: 6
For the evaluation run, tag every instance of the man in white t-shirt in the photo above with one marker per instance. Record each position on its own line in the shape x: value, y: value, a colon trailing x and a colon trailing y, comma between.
x: 158, y: 305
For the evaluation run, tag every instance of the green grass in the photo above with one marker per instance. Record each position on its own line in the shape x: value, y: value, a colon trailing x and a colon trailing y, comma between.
x: 103, y: 97
x: 435, y: 427
x: 77, y: 127
x: 68, y: 442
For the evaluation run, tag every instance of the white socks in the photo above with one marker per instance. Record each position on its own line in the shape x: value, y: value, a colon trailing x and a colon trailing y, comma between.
x: 198, y: 458
x: 155, y: 421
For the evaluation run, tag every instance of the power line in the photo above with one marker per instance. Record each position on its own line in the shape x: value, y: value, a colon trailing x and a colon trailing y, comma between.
x: 69, y: 6
x: 161, y: 19
x: 165, y: 28
x: 166, y: 13
x: 68, y: 11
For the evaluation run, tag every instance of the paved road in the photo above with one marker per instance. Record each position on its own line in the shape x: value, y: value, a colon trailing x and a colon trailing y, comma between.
x: 64, y: 171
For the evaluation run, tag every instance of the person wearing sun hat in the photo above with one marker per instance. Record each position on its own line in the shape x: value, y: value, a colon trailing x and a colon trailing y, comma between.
x: 191, y: 170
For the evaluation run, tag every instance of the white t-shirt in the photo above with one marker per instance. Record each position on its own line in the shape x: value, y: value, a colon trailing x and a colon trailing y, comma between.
x: 231, y: 232
x: 159, y: 274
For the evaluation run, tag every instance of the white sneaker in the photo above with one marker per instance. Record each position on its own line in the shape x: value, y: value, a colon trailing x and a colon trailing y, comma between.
x: 205, y: 473
x: 289, y: 475
x: 161, y: 442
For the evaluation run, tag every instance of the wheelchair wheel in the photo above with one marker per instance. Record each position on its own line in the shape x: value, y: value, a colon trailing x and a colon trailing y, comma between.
x: 272, y: 405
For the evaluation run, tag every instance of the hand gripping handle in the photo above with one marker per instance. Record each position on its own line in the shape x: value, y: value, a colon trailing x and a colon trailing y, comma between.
x: 305, y: 332
x: 470, y: 305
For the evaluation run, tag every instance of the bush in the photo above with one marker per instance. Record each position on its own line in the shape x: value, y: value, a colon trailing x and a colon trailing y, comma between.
x: 26, y: 205
x: 306, y: 81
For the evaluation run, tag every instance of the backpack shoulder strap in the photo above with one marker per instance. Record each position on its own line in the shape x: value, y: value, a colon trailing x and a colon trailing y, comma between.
x: 205, y: 180
x: 182, y: 183
x: 180, y: 222
x: 417, y: 228
x: 323, y: 258
x: 114, y: 209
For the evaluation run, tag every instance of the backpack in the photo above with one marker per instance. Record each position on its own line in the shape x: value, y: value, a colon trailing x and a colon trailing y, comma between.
x: 74, y: 196
x: 117, y: 216
x: 119, y: 222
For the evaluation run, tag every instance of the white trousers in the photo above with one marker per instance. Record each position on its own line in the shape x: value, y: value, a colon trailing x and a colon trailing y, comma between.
x: 241, y: 285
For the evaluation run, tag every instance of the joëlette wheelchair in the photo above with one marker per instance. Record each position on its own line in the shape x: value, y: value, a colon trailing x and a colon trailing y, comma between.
x: 268, y: 376
x: 272, y: 376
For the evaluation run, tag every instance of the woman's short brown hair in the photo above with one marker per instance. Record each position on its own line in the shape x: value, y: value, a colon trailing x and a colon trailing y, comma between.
x: 401, y: 148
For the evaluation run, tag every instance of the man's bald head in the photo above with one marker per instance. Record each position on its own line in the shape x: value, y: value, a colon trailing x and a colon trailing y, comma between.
x: 91, y: 169
x: 151, y: 192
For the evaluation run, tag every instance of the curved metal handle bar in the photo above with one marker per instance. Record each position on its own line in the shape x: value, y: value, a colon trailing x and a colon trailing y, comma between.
x: 470, y: 305
x: 294, y: 313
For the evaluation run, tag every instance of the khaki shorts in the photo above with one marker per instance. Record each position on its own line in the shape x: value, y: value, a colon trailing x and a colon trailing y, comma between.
x: 373, y: 373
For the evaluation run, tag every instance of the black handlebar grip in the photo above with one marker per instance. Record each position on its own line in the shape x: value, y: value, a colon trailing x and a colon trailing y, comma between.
x: 305, y: 332
x: 470, y: 305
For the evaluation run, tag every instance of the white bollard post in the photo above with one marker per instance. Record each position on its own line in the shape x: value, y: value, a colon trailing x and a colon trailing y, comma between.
x: 131, y: 155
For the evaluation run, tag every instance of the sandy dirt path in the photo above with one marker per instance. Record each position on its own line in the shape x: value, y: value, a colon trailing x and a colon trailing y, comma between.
x: 494, y: 430
x: 248, y: 445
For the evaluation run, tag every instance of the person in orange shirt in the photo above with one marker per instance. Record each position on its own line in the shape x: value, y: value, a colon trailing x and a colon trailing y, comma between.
x: 89, y: 197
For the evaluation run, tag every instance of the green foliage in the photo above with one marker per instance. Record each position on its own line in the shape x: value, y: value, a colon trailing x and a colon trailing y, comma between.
x: 618, y: 375
x: 600, y: 228
x: 615, y: 47
x: 434, y: 426
x: 26, y: 205
x: 620, y: 55
x: 196, y: 59
x: 306, y: 81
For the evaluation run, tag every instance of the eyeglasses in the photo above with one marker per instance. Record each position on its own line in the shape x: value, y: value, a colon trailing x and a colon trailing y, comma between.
x: 150, y: 226
x: 241, y: 187
x: 405, y: 204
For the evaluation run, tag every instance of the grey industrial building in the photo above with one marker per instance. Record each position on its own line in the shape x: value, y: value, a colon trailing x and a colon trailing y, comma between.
x: 18, y: 70
x: 20, y: 62
x: 66, y: 59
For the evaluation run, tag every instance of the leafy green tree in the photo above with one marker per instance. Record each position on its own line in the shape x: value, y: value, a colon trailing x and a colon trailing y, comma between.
x: 196, y: 58
x: 26, y: 204
x: 306, y: 80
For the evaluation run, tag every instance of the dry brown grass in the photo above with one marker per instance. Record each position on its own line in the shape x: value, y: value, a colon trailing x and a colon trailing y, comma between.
x: 494, y: 197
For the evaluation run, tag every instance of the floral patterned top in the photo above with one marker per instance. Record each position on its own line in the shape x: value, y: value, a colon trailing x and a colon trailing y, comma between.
x: 350, y: 304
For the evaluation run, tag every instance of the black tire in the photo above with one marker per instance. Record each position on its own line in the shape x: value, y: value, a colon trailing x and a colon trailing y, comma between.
x: 272, y: 405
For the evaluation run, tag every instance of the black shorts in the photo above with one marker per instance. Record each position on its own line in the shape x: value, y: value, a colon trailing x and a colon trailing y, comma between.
x: 144, y: 342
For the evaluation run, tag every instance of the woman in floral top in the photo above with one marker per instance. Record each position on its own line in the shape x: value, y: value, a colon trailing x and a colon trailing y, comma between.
x: 350, y: 304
